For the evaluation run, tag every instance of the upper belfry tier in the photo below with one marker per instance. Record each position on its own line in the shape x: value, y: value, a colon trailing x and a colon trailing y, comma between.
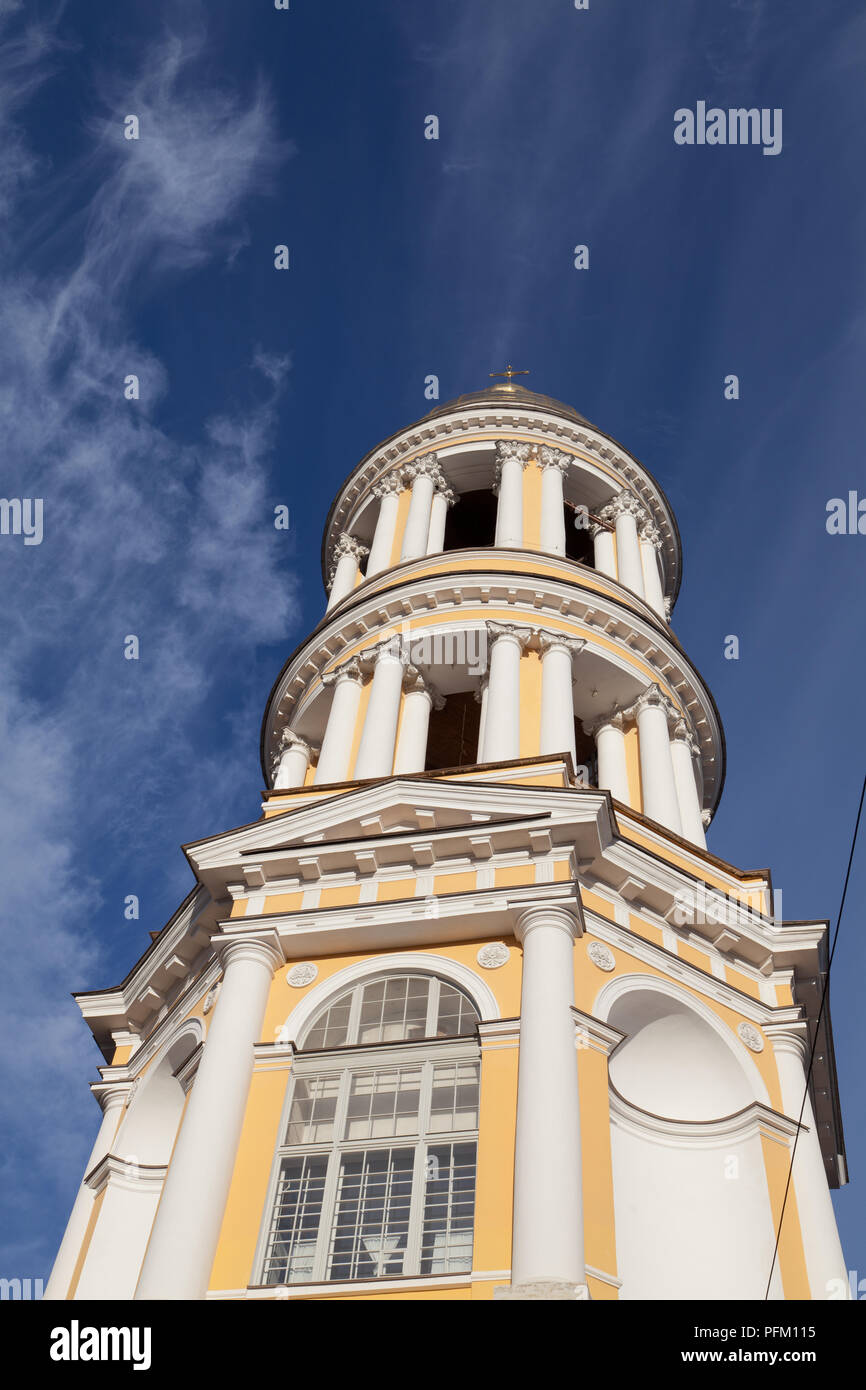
x: 501, y: 576
x: 585, y: 497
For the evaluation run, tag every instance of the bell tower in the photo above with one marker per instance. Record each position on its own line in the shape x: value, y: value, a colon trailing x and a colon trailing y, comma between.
x: 472, y: 1011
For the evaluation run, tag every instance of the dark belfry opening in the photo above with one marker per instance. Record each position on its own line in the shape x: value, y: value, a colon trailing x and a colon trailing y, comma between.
x: 452, y: 739
x: 586, y: 767
x: 471, y: 521
x: 578, y: 541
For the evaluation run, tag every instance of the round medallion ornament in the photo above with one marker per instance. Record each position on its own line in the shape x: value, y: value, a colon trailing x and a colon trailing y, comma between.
x: 749, y: 1034
x: 210, y: 998
x: 601, y: 956
x: 494, y: 954
x: 304, y: 973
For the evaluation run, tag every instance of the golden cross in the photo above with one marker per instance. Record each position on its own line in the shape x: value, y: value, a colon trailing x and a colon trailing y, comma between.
x: 508, y: 373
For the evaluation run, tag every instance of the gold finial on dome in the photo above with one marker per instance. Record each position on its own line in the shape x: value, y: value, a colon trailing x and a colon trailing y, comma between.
x: 508, y: 374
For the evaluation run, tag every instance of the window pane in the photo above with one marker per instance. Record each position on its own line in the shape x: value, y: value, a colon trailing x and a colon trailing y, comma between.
x: 314, y: 1103
x: 394, y: 1009
x: 449, y: 1209
x: 292, y: 1243
x: 371, y: 1222
x: 384, y: 1104
x: 456, y: 1014
x: 454, y: 1104
x: 331, y: 1029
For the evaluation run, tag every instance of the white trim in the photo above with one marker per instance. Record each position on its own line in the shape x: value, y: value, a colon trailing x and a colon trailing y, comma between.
x: 416, y: 962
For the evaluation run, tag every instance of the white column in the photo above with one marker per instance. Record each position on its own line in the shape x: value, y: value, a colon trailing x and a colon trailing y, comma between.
x: 604, y: 548
x: 424, y: 473
x: 502, y: 719
x: 548, y: 1208
x: 511, y: 459
x: 188, y: 1220
x: 557, y: 696
x: 291, y: 761
x: 652, y: 579
x: 344, y: 569
x: 684, y: 749
x: 609, y: 734
x: 443, y: 498
x: 652, y: 711
x: 825, y: 1262
x: 481, y: 699
x: 112, y: 1098
x: 333, y: 765
x: 625, y: 512
x: 376, y: 749
x: 388, y: 492
x: 419, y: 698
x: 554, y: 466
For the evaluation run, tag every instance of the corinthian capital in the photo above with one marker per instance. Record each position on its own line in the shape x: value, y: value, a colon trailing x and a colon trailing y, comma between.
x: 555, y: 458
x: 347, y: 545
x: 624, y: 502
x: 648, y: 532
x: 392, y: 482
x: 655, y: 698
x: 548, y: 639
x: 521, y: 635
x: 350, y: 670
x: 507, y: 449
x: 427, y: 466
x: 415, y: 681
x: 682, y: 730
x: 615, y: 719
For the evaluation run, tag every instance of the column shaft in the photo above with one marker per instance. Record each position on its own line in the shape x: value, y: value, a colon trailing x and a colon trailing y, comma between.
x: 376, y: 749
x: 660, y: 801
x: 418, y: 521
x: 438, y: 517
x: 687, y: 789
x: 652, y: 579
x: 386, y: 526
x: 509, y: 513
x: 411, y: 754
x: 548, y: 1206
x: 292, y: 766
x: 557, y: 699
x: 76, y: 1227
x: 825, y: 1262
x: 552, y: 510
x: 629, y: 565
x: 612, y: 763
x: 333, y: 765
x: 187, y: 1225
x: 604, y: 548
x: 502, y: 721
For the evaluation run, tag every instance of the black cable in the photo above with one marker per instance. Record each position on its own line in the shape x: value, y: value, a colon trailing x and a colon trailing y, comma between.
x: 815, y: 1039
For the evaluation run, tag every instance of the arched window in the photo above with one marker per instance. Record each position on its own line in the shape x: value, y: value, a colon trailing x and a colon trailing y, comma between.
x: 375, y: 1173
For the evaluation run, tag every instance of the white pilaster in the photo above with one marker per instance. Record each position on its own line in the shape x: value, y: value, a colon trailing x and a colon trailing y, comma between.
x: 609, y: 734
x: 443, y: 498
x: 650, y: 542
x: 419, y: 698
x: 376, y: 749
x: 187, y: 1225
x: 424, y: 473
x: 684, y: 750
x: 825, y: 1262
x: 652, y: 711
x: 554, y: 466
x: 388, y: 492
x: 291, y: 762
x: 548, y: 1206
x: 557, y: 695
x: 506, y: 644
x: 625, y: 512
x: 344, y: 570
x: 112, y: 1098
x: 333, y: 765
x: 604, y: 549
x: 511, y: 459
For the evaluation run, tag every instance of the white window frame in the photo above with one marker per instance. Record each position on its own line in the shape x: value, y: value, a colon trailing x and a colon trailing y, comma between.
x: 348, y: 1062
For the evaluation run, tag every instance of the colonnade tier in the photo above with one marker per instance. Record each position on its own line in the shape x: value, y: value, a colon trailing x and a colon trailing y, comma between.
x: 626, y: 543
x: 390, y: 735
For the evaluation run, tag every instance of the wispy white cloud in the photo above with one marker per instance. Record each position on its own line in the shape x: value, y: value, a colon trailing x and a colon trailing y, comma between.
x: 172, y: 541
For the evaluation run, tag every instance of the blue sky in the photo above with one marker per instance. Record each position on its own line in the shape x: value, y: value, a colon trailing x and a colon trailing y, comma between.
x: 259, y: 387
